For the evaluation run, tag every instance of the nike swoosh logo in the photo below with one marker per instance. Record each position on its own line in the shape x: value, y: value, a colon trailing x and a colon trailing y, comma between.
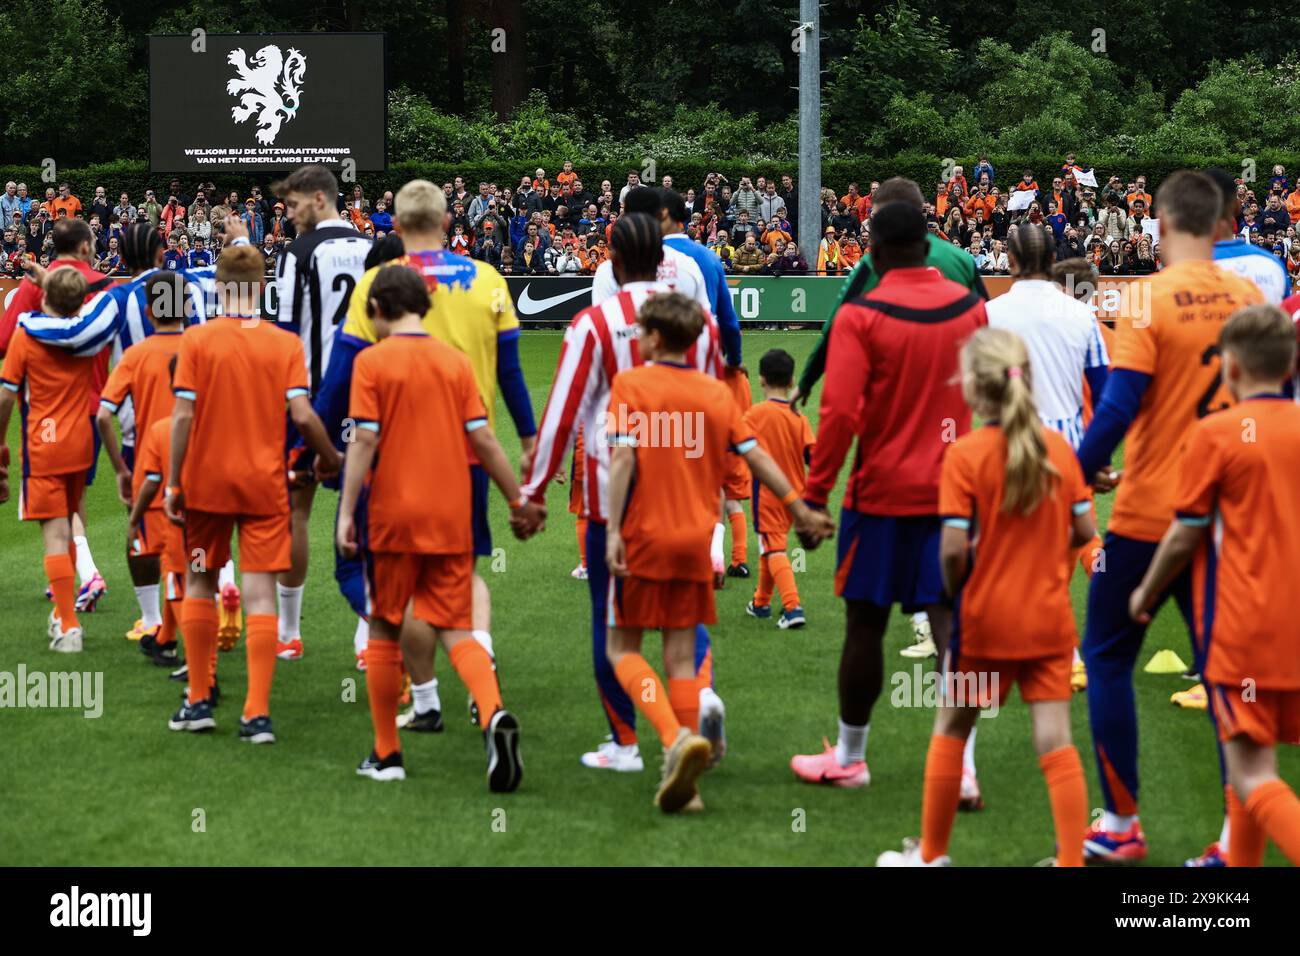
x: 527, y: 305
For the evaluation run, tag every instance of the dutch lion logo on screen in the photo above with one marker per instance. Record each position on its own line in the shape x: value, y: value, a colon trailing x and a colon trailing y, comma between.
x: 267, y: 87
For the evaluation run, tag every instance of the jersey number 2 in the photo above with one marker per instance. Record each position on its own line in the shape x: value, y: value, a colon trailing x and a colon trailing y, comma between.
x: 1203, y: 407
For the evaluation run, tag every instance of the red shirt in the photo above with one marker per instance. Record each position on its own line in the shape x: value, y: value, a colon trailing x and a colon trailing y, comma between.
x: 892, y: 380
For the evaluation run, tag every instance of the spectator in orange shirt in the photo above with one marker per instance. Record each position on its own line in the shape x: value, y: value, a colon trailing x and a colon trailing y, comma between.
x: 1027, y: 182
x: 850, y: 252
x: 566, y: 178
x: 68, y: 203
x: 1293, y: 206
x: 773, y: 235
x: 982, y: 199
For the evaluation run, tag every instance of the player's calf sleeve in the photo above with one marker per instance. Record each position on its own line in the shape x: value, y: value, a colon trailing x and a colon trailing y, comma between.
x: 641, y: 684
x: 199, y: 625
x: 290, y: 601
x: 170, y: 618
x: 1068, y: 794
x: 1276, y: 809
x: 384, y: 687
x: 59, y: 571
x: 783, y: 576
x: 262, y: 638
x: 942, y: 791
x: 1246, y: 839
x: 84, y: 559
x: 763, y: 593
x: 474, y: 666
x: 739, y: 539
x: 582, y: 541
x: 684, y: 698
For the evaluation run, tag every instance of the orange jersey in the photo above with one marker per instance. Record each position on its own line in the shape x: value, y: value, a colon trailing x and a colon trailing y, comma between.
x: 239, y: 373
x: 51, y: 385
x: 1176, y: 343
x: 681, y: 424
x: 153, y: 460
x: 143, y: 375
x: 785, y: 435
x: 419, y: 395
x: 1240, y: 484
x: 1015, y: 604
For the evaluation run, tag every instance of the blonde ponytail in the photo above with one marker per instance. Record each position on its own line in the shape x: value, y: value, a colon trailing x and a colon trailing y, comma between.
x: 995, y: 366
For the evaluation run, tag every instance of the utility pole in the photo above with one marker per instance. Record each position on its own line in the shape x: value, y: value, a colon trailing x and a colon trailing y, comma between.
x: 810, y: 128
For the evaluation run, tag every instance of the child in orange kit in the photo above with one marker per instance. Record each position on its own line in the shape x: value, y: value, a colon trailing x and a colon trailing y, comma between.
x: 1014, y: 488
x: 419, y: 414
x: 57, y: 445
x: 788, y: 438
x: 670, y: 427
x: 1238, y: 482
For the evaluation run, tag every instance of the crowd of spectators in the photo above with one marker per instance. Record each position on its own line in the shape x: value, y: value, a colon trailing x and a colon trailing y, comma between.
x: 561, y: 226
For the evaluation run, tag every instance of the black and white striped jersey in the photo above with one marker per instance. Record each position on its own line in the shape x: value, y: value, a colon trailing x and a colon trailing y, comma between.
x: 314, y: 281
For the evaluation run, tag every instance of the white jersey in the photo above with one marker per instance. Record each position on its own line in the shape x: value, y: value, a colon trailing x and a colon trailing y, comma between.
x: 677, y: 270
x: 1258, y: 265
x: 600, y: 342
x: 1063, y: 340
x: 314, y: 282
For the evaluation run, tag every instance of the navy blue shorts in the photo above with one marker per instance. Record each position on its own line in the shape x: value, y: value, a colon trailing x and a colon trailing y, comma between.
x: 478, y: 479
x: 888, y: 560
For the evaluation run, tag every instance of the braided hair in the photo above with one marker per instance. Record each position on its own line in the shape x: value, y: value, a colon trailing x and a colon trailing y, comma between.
x: 639, y: 244
x: 140, y: 243
x: 1031, y: 250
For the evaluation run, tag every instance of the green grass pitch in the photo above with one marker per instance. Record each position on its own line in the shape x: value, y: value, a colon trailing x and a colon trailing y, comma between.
x: 122, y: 789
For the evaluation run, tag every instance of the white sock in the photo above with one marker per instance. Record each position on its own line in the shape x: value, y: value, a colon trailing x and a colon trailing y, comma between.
x: 290, y: 610
x: 362, y: 637
x: 852, y: 745
x: 226, y: 575
x: 85, y: 560
x: 968, y: 754
x: 484, y: 638
x: 919, y: 618
x: 1076, y: 658
x: 1223, y: 837
x: 150, y: 612
x: 426, y: 697
x: 1116, y: 823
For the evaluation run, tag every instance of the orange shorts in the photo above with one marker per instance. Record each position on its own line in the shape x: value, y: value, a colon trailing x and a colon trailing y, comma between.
x: 1272, y: 717
x: 984, y: 680
x: 439, y: 585
x: 737, y: 483
x: 153, y: 534
x: 51, y: 496
x: 263, y: 540
x: 642, y: 603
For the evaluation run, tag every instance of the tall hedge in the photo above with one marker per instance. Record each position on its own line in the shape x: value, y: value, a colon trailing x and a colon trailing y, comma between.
x: 134, y: 175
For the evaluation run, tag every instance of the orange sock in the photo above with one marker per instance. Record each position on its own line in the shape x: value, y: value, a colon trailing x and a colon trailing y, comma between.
x: 942, y: 791
x: 638, y: 679
x: 263, y: 634
x: 384, y: 686
x: 170, y: 618
x: 684, y: 698
x: 763, y: 593
x: 474, y: 665
x: 582, y: 541
x: 1246, y: 840
x: 1069, y: 797
x: 199, y: 624
x: 61, y: 572
x: 739, y: 542
x: 783, y: 575
x: 1276, y: 809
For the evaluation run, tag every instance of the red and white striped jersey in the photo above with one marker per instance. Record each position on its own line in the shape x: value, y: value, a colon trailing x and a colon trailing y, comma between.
x: 601, y: 341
